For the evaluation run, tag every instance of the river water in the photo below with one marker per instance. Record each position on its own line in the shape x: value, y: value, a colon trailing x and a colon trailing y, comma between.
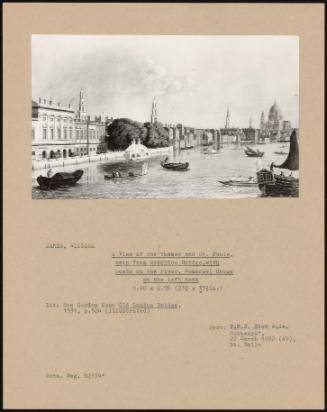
x: 200, y: 181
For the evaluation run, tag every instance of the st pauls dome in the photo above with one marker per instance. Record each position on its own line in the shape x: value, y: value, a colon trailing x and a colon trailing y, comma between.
x: 275, y: 113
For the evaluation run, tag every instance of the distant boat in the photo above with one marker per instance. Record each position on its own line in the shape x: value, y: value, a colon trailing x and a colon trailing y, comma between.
x: 253, y: 153
x: 175, y: 166
x: 281, y: 153
x: 60, y: 179
x: 284, y: 138
x: 187, y: 147
x: 212, y: 150
x: 272, y: 184
x: 248, y: 183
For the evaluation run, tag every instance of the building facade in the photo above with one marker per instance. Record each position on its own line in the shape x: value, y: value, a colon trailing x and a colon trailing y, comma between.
x: 53, y: 130
x: 59, y: 132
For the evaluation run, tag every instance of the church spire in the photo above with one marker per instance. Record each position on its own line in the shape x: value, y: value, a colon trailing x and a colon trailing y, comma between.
x: 227, y: 119
x: 154, y: 111
x: 81, y: 107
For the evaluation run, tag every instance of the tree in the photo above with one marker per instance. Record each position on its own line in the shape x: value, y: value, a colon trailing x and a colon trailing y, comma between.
x: 121, y: 132
x: 157, y: 135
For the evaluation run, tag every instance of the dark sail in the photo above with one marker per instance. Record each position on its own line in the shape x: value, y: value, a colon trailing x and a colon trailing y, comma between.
x: 292, y: 161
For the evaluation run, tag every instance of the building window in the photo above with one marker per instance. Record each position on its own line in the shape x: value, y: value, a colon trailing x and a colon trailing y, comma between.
x: 65, y: 134
x: 44, y: 134
x: 71, y: 134
x: 59, y: 133
x: 45, y: 117
x: 33, y: 134
x: 51, y: 134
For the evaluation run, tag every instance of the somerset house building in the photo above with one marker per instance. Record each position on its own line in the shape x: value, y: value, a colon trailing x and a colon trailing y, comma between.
x: 59, y: 132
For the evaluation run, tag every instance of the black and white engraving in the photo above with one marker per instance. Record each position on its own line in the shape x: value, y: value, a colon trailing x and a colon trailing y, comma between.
x: 129, y: 116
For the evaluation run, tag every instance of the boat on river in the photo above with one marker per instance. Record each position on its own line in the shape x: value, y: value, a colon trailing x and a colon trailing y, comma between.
x: 176, y: 166
x: 187, y: 147
x: 273, y: 184
x: 253, y: 153
x: 247, y: 183
x: 211, y: 150
x: 60, y: 179
x: 117, y: 174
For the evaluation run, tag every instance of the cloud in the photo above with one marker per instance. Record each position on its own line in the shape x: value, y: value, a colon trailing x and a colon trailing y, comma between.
x: 158, y: 80
x: 194, y: 76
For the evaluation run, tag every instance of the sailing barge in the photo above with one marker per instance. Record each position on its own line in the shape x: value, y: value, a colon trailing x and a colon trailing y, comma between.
x: 273, y: 184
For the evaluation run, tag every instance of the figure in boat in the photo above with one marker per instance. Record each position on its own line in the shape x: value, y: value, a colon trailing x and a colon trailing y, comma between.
x: 117, y: 174
x: 50, y: 172
x: 274, y: 184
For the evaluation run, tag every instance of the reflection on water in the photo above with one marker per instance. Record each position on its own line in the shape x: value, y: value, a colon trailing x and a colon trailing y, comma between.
x: 200, y: 181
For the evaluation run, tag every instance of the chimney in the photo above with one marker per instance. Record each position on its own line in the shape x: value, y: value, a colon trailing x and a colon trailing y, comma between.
x: 58, y: 103
x: 44, y: 101
x: 40, y: 100
x: 69, y: 105
x: 50, y: 102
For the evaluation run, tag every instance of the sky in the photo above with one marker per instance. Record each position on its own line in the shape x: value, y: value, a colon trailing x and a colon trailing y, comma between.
x: 194, y: 78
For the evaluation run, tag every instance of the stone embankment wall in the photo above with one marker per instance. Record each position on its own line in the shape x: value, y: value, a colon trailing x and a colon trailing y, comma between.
x: 109, y: 157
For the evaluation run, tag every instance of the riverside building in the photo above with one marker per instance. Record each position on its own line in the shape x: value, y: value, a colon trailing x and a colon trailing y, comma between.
x: 60, y: 132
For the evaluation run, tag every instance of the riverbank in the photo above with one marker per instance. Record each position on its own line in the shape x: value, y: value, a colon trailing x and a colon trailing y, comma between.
x: 108, y: 157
